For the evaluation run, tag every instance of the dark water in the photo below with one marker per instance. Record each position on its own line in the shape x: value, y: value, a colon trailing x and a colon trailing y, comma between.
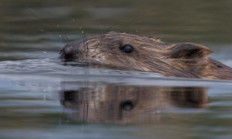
x: 41, y: 98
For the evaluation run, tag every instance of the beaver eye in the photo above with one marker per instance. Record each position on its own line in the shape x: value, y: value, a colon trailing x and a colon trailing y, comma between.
x: 127, y: 48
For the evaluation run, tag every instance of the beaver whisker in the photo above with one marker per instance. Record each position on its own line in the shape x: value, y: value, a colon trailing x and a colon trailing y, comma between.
x: 99, y: 42
x: 85, y: 44
x: 101, y: 53
x: 96, y: 54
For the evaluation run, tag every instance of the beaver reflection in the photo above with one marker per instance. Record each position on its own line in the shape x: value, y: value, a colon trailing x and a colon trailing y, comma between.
x: 129, y: 104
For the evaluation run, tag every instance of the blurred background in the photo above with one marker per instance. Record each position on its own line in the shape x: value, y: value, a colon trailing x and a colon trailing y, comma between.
x: 39, y: 28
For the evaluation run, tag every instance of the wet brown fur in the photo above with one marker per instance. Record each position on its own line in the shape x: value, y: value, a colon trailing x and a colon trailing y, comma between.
x: 150, y: 54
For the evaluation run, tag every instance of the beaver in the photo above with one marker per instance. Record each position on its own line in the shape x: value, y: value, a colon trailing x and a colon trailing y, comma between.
x: 130, y: 104
x: 149, y: 54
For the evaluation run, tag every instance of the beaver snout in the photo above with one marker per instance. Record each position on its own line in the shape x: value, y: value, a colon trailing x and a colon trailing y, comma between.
x: 69, y: 53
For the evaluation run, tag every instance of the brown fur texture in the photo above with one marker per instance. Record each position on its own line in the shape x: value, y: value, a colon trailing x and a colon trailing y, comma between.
x: 149, y: 54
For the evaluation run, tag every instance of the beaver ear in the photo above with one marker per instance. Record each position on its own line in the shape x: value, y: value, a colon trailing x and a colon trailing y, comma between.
x: 189, y: 50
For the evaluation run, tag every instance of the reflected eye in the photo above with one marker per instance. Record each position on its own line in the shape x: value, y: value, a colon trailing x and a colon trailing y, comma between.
x: 127, y: 48
x: 127, y: 105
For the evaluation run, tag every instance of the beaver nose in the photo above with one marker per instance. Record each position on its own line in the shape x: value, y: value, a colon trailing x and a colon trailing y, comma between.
x: 68, y: 53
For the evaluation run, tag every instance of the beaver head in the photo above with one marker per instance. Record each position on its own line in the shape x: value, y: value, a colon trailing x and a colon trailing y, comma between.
x: 132, y: 52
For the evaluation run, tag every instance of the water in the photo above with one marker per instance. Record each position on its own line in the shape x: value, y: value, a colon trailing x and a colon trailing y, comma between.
x: 42, y: 97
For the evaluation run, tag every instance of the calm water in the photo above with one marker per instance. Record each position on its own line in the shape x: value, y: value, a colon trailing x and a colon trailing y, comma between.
x: 41, y: 97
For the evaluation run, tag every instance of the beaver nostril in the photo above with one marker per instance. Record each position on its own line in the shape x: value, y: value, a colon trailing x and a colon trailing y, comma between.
x: 127, y: 48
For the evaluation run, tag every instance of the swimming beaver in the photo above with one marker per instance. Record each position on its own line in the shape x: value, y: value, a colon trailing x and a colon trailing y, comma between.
x: 132, y: 52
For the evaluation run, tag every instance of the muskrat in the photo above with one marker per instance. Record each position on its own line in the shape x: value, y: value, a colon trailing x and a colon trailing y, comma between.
x: 149, y: 54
